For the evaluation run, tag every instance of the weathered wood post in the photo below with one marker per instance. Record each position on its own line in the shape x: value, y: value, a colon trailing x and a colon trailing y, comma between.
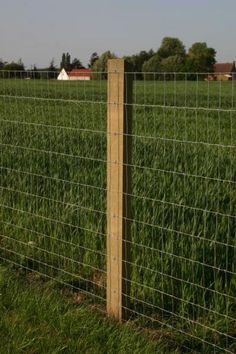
x: 119, y: 130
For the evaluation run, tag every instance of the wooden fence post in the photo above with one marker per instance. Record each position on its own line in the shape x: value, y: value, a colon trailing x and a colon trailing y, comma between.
x: 119, y: 130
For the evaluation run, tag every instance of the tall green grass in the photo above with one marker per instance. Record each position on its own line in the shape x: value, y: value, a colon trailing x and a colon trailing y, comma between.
x: 53, y: 197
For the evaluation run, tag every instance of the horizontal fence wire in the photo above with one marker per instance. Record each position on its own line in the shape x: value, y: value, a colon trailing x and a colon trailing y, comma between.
x: 184, y: 209
x: 52, y: 184
x: 183, y: 199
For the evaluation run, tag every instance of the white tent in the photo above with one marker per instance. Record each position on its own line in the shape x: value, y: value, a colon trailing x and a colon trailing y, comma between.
x: 63, y: 75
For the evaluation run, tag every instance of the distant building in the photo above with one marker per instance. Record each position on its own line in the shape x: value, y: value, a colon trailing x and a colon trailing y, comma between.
x: 75, y: 74
x: 63, y: 75
x: 223, y: 72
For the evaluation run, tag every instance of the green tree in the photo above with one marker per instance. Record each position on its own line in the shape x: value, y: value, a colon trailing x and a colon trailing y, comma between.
x: 65, y: 62
x: 52, y: 66
x: 14, y: 69
x: 1, y: 64
x: 52, y: 70
x: 171, y: 47
x: 14, y: 66
x: 201, y: 58
x: 141, y: 57
x: 94, y: 57
x: 137, y: 61
x: 76, y: 64
x: 100, y: 66
x: 153, y: 65
x: 170, y: 57
x: 174, y: 63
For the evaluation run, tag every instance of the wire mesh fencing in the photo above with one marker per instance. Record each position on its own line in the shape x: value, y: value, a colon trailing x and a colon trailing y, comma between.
x: 53, y: 166
x: 180, y: 275
x: 183, y: 204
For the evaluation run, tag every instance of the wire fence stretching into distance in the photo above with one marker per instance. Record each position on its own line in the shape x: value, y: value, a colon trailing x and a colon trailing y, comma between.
x: 53, y: 205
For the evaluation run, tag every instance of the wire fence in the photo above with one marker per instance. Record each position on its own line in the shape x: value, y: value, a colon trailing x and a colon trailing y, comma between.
x: 183, y: 198
x: 53, y: 185
x: 183, y: 240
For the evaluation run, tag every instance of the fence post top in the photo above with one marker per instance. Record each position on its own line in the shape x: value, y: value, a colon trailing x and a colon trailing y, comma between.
x: 119, y: 65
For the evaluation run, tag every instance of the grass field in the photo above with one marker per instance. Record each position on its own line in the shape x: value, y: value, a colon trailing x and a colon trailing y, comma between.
x: 39, y: 317
x: 53, y: 198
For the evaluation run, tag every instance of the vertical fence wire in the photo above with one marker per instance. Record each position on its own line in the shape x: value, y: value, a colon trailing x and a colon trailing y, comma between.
x: 183, y: 197
x: 53, y: 186
x: 184, y: 203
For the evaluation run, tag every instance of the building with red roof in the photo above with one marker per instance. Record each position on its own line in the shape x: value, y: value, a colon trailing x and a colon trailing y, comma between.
x: 75, y: 74
x: 224, y: 72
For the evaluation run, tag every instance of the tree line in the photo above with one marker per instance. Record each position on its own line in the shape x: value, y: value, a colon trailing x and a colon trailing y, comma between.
x: 170, y: 57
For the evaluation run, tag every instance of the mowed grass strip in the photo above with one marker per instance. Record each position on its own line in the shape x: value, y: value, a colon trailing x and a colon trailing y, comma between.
x: 39, y: 317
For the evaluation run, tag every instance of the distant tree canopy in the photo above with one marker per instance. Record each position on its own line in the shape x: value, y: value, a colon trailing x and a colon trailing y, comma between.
x: 65, y: 61
x: 76, y: 64
x: 171, y: 47
x: 173, y: 63
x: 12, y: 69
x: 200, y: 58
x: 13, y: 66
x: 137, y: 60
x: 172, y: 57
x: 100, y: 65
x: 67, y: 64
x: 1, y: 64
x: 94, y: 57
x: 52, y: 66
x: 152, y: 65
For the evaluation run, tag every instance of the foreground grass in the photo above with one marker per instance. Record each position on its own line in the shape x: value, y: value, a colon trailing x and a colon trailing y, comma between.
x: 36, y: 318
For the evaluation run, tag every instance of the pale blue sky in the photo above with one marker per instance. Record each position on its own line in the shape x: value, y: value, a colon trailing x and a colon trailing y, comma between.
x: 38, y: 30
